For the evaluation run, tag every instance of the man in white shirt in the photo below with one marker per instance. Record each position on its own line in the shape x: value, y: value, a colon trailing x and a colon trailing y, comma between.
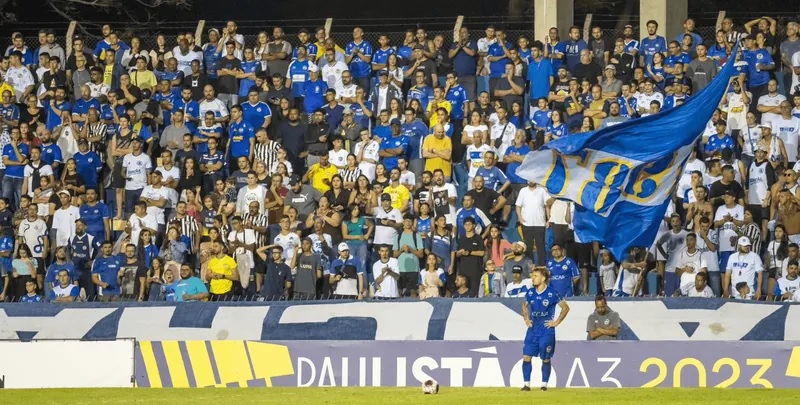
x: 388, y: 221
x: 769, y: 104
x: 332, y: 70
x: 243, y: 242
x: 346, y: 92
x: 444, y: 197
x: 689, y: 263
x: 386, y: 272
x: 136, y: 168
x: 743, y: 266
x: 34, y: 171
x: 787, y: 127
x: 698, y: 289
x: 64, y: 220
x: 19, y: 77
x: 156, y: 196
x: 140, y: 220
x: 532, y: 213
x: 518, y: 286
x: 210, y: 102
x: 502, y: 133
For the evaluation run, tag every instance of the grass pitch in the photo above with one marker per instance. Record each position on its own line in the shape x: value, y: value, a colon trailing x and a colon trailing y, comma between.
x: 406, y: 396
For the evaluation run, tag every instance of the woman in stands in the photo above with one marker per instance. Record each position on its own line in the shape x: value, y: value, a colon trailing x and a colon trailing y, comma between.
x: 587, y: 125
x: 360, y: 196
x: 443, y: 247
x: 496, y: 246
x: 357, y: 231
x: 395, y: 109
x: 33, y: 115
x: 432, y: 278
x: 23, y: 269
x: 154, y: 280
x: 145, y: 248
x: 777, y: 250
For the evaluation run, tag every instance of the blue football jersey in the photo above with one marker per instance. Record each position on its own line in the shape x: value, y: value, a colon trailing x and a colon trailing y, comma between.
x: 541, y: 309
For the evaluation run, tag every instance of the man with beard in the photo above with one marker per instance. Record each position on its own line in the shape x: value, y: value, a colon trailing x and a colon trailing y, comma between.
x: 603, y: 323
x: 52, y: 276
x: 302, y: 197
x: 743, y: 266
x: 346, y: 275
x: 517, y: 258
x: 82, y: 247
x: 423, y: 192
x: 488, y: 201
x: 190, y: 288
x: 106, y: 273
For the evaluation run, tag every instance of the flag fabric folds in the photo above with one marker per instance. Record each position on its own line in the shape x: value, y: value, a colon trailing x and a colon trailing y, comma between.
x: 621, y: 177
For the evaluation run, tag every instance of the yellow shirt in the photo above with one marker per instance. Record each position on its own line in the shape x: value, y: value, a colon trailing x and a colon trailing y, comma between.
x: 431, y: 164
x: 108, y: 74
x: 433, y: 106
x: 225, y: 266
x: 5, y: 86
x: 321, y: 50
x: 597, y: 105
x: 318, y: 173
x: 144, y: 80
x: 400, y: 196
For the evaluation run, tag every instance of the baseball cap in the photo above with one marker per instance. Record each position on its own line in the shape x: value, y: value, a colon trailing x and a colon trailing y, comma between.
x: 612, y: 67
x: 522, y: 245
x: 420, y: 47
x: 751, y: 36
x: 767, y: 124
x: 83, y: 140
x: 730, y: 193
x: 342, y: 247
x: 313, y: 68
x: 348, y: 112
x: 136, y: 139
x: 65, y: 192
x: 744, y: 241
x: 386, y: 197
x: 762, y: 148
x: 628, y: 26
x: 383, y: 72
x: 295, y: 180
x: 81, y: 220
x: 395, y: 121
x: 517, y: 269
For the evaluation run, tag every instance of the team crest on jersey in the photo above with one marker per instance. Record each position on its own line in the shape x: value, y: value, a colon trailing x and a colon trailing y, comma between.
x: 456, y: 93
x: 91, y: 160
x: 549, y: 349
x: 545, y: 302
x: 759, y: 56
x: 258, y: 109
x: 139, y: 163
x: 606, y: 322
x: 564, y: 267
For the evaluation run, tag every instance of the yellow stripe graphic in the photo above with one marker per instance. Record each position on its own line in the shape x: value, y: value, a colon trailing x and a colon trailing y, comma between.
x: 150, y: 364
x: 270, y: 360
x: 177, y: 371
x: 232, y: 363
x: 201, y: 363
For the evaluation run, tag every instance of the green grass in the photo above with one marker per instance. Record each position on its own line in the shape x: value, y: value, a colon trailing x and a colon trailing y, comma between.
x: 406, y: 396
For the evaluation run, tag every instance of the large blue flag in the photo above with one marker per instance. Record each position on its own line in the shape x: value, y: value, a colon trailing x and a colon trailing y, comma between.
x: 621, y: 177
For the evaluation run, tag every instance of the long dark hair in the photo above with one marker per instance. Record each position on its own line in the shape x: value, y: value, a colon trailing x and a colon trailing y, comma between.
x: 783, y: 246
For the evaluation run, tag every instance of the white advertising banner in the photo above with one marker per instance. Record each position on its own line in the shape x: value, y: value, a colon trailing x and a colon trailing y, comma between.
x: 67, y: 364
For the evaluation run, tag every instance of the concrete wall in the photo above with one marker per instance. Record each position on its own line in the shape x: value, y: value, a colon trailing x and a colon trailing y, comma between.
x: 670, y: 15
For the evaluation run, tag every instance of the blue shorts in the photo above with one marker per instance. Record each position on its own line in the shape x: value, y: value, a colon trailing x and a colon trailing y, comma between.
x: 542, y: 347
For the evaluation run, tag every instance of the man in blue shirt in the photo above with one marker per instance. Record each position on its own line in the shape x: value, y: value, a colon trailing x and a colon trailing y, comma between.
x: 394, y: 147
x: 334, y: 112
x: 494, y: 178
x: 759, y: 64
x: 51, y: 153
x: 538, y: 311
x: 190, y: 288
x: 463, y: 54
x: 420, y: 91
x: 573, y: 48
x: 82, y: 105
x: 564, y: 273
x: 242, y: 136
x: 689, y: 28
x: 189, y: 107
x: 314, y: 92
x: 515, y: 154
x: 55, y: 103
x: 540, y: 73
x: 15, y: 157
x: 381, y: 56
x: 106, y: 272
x: 212, y: 164
x: 97, y: 217
x: 469, y: 210
x: 675, y: 56
x: 498, y: 57
x: 53, y: 274
x: 358, y: 55
x: 9, y: 112
x: 298, y: 73
x: 256, y: 113
x: 88, y: 164
x: 651, y: 45
x: 457, y: 95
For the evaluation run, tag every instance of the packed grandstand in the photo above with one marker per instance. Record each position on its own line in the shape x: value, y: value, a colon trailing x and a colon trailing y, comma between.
x: 294, y: 167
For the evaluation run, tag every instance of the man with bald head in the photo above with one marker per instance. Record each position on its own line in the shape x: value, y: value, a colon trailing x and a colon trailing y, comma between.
x: 82, y: 105
x: 437, y: 150
x: 210, y: 102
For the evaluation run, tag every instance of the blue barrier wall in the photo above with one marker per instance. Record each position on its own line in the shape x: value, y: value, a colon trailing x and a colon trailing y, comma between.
x: 441, y: 319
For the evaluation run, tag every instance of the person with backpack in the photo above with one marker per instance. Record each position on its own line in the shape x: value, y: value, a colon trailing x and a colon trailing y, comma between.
x: 408, y: 250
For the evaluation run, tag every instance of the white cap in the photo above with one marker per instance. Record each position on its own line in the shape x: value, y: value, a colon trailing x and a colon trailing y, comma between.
x: 744, y: 241
x: 522, y: 245
x: 313, y: 68
x: 343, y: 246
x: 767, y: 124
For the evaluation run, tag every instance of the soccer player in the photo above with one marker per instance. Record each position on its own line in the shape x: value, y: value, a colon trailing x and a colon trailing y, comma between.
x: 538, y: 311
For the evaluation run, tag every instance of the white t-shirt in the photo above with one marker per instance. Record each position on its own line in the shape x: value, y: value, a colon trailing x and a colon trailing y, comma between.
x: 148, y: 221
x: 408, y: 179
x: 34, y: 234
x: 185, y: 61
x: 338, y: 159
x: 475, y: 158
x: 788, y: 130
x: 504, y: 132
x: 471, y: 130
x: 247, y: 195
x: 136, y: 170
x: 44, y: 171
x: 370, y: 152
x: 216, y: 106
x: 727, y: 233
x: 770, y: 101
x: 348, y: 91
x: 153, y: 193
x: 685, y: 182
x: 388, y: 286
x: 743, y: 268
x: 710, y: 258
x: 795, y: 78
x: 694, y: 260
x: 532, y: 202
x: 248, y: 237
x: 608, y: 273
x: 167, y: 175
x: 751, y: 136
x: 386, y: 235
x: 737, y: 111
x: 64, y: 224
x: 450, y: 190
x: 288, y: 242
x: 518, y: 290
x: 332, y: 74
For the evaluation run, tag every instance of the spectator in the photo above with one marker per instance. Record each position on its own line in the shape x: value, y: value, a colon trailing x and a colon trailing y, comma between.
x: 517, y: 287
x: 346, y: 276
x: 462, y: 289
x: 469, y: 253
x: 787, y: 285
x: 603, y: 323
x: 492, y: 283
x: 748, y: 268
x: 531, y: 209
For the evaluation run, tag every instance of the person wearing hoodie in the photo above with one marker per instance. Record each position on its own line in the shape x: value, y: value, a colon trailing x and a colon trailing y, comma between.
x: 493, y: 283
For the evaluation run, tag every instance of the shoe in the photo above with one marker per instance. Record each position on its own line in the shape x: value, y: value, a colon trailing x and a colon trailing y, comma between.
x: 544, y: 388
x: 525, y: 388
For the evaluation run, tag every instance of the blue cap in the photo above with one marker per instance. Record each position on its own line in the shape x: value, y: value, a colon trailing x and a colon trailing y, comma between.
x: 394, y: 121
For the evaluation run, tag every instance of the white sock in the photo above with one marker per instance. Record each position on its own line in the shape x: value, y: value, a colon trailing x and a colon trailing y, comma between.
x: 527, y: 383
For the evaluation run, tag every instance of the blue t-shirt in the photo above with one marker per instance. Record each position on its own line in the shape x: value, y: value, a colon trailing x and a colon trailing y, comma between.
x: 212, y: 159
x: 463, y: 64
x: 55, y: 268
x: 539, y: 74
x: 82, y: 107
x: 415, y: 132
x: 202, y: 147
x: 190, y: 286
x: 10, y: 113
x: 95, y: 217
x: 560, y: 47
x: 253, y: 66
x: 572, y: 53
x: 334, y: 115
x: 53, y: 119
x: 256, y: 114
x: 311, y: 49
x: 298, y: 73
x: 753, y: 58
x: 623, y: 112
x: 358, y: 67
x: 716, y: 144
x: 107, y: 268
x: 359, y: 115
x: 381, y: 56
x: 498, y: 67
x: 561, y: 275
x: 51, y: 153
x: 558, y: 131
x: 7, y: 245
x: 671, y: 60
x: 422, y: 93
x: 241, y: 133
x: 16, y: 171
x: 511, y: 168
x: 465, y: 213
x: 651, y: 46
x: 314, y: 94
x: 190, y: 108
x: 542, y: 309
x: 457, y: 96
x: 394, y: 142
x: 541, y: 118
x: 31, y: 298
x: 493, y: 178
x: 88, y: 165
x: 211, y: 60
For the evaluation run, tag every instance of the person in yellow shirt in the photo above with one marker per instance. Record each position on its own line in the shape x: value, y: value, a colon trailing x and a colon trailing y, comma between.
x: 320, y: 174
x: 143, y: 78
x: 437, y: 149
x: 222, y: 272
x: 434, y: 106
x: 399, y: 193
x: 323, y: 43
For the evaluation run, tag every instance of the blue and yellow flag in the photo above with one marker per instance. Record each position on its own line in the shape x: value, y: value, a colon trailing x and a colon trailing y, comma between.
x: 621, y: 177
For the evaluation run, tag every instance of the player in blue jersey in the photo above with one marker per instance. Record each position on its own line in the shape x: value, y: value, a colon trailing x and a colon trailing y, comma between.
x: 564, y: 273
x: 538, y: 311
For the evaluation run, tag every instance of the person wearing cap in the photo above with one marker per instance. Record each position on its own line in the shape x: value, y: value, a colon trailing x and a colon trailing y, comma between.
x: 63, y: 225
x: 408, y: 249
x: 211, y: 55
x: 611, y: 86
x: 761, y: 177
x: 719, y: 141
x: 727, y: 220
x: 759, y: 64
x: 346, y: 275
x: 519, y: 285
x: 743, y: 266
x: 384, y: 92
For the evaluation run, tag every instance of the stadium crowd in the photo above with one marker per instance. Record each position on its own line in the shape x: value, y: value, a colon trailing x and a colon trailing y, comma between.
x: 299, y: 168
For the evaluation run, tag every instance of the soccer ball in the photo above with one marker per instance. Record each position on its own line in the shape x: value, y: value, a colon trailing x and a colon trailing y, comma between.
x: 430, y: 387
